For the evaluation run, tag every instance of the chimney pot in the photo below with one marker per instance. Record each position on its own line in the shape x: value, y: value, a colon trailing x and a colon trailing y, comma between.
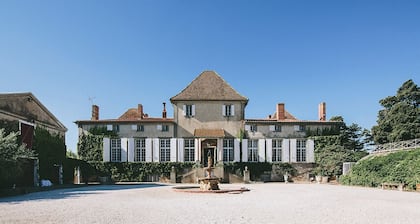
x: 164, y: 110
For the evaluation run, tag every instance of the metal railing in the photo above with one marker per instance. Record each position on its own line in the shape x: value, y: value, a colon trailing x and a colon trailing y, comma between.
x: 396, y: 146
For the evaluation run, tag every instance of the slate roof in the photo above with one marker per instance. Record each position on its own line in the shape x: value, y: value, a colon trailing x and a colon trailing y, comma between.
x: 209, y: 86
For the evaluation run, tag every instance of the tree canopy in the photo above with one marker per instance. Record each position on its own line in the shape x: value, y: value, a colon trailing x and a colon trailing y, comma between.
x: 400, y: 117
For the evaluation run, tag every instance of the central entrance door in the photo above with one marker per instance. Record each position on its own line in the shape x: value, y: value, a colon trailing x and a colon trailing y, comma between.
x: 205, y: 154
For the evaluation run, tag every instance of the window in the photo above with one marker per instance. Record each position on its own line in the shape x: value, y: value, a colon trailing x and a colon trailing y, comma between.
x: 109, y: 127
x: 275, y: 128
x: 189, y: 110
x: 228, y: 150
x: 253, y: 128
x: 299, y: 128
x: 277, y: 144
x: 253, y: 150
x: 301, y: 150
x: 165, y: 150
x: 163, y: 128
x: 115, y: 150
x: 189, y: 150
x: 140, y: 150
x: 138, y: 128
x: 228, y: 110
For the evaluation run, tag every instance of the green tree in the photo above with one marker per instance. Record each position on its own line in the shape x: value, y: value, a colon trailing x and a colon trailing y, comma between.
x: 400, y: 118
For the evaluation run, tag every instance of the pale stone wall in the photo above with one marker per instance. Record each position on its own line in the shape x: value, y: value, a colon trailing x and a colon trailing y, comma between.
x: 208, y: 115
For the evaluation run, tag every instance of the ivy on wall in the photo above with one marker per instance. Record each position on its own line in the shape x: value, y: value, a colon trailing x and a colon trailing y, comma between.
x: 90, y: 145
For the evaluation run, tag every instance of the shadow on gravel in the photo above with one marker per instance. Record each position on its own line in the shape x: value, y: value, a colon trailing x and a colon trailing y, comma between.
x: 74, y: 192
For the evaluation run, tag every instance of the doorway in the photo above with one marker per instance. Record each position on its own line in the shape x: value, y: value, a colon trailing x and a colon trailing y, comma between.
x: 206, y: 153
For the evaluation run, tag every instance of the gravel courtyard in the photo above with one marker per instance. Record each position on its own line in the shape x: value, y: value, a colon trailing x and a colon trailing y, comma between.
x: 265, y: 203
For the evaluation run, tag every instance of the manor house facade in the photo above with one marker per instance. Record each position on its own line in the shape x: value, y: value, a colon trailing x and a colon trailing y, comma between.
x: 209, y: 119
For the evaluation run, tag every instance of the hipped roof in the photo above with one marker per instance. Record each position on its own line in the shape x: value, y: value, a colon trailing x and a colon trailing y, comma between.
x: 209, y: 86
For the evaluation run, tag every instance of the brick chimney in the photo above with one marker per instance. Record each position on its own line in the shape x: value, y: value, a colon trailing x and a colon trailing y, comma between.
x: 281, y: 114
x: 164, y: 110
x: 140, y: 111
x: 95, y: 113
x: 322, y: 111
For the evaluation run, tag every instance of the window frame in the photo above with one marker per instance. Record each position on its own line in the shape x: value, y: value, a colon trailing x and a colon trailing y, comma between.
x: 189, y: 150
x: 164, y: 150
x: 253, y: 150
x: 228, y: 150
x: 301, y: 150
x: 139, y: 150
x: 115, y: 150
x: 277, y: 150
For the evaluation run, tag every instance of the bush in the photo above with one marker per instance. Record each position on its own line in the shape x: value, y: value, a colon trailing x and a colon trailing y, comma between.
x: 398, y: 167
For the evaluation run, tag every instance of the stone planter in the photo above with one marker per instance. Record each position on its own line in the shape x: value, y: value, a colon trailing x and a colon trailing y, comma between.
x: 417, y: 187
x: 325, y: 179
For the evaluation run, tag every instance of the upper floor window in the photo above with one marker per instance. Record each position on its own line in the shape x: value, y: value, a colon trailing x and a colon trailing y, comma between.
x: 251, y: 127
x: 275, y: 128
x: 163, y: 127
x: 189, y: 110
x: 139, y: 128
x: 299, y: 128
x: 228, y: 110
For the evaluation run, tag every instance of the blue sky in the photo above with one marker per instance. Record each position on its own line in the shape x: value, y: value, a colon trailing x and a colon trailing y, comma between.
x: 349, y: 54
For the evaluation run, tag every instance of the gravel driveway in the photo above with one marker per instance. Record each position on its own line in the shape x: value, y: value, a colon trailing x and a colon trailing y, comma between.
x: 265, y: 203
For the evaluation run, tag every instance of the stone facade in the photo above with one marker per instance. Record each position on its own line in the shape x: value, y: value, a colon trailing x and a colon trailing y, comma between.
x: 209, y: 119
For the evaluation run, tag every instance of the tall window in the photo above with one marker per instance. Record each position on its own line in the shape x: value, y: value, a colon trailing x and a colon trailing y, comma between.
x: 165, y: 150
x: 140, y: 150
x: 228, y: 110
x: 301, y: 150
x: 189, y: 110
x: 277, y: 143
x: 228, y: 150
x: 189, y: 150
x: 253, y: 150
x: 115, y: 150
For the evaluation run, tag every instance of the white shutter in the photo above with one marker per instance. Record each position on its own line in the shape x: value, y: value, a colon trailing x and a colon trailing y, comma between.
x: 269, y: 145
x: 124, y: 149
x: 236, y: 150
x: 106, y: 150
x: 244, y: 150
x: 173, y: 150
x: 149, y: 148
x: 184, y: 110
x: 159, y: 127
x: 297, y: 128
x: 180, y: 149
x: 109, y: 127
x: 156, y: 150
x: 193, y: 110
x: 224, y: 110
x: 293, y: 150
x: 131, y: 150
x: 232, y: 110
x: 247, y: 127
x: 285, y: 148
x: 272, y: 127
x: 310, y: 148
x: 197, y: 149
x: 261, y: 150
x: 219, y: 149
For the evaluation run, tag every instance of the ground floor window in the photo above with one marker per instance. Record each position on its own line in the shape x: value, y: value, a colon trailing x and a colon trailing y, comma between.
x: 253, y: 150
x: 140, y: 150
x: 189, y: 150
x: 165, y: 150
x: 301, y: 150
x: 228, y: 150
x: 115, y: 150
x: 277, y: 150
